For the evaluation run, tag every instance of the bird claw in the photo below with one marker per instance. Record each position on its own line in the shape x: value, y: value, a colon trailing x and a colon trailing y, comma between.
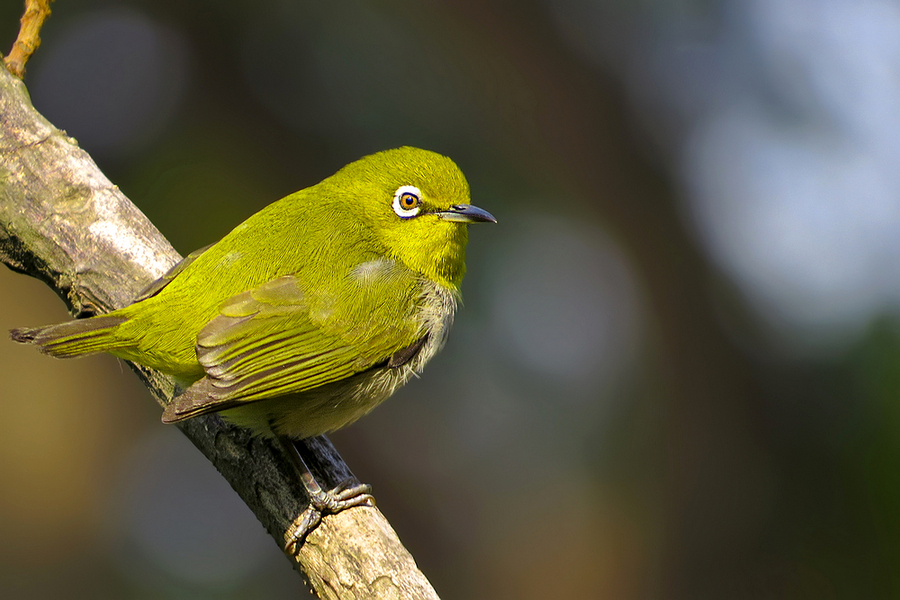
x: 345, y: 495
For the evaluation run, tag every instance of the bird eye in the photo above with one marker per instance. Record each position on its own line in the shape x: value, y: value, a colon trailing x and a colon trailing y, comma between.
x: 407, y: 199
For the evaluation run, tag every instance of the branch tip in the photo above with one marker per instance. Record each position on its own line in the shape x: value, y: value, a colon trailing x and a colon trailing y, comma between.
x: 29, y: 39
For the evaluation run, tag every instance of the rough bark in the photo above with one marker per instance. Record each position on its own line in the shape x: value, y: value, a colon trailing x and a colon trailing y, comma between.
x: 62, y: 221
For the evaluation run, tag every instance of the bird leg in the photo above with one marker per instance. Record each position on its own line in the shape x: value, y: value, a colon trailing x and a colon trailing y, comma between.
x: 345, y: 495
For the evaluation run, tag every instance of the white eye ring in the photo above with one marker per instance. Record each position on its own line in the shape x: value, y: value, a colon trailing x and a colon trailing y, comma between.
x: 402, y: 198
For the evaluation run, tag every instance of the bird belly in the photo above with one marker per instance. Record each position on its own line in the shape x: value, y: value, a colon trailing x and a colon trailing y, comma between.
x: 320, y: 410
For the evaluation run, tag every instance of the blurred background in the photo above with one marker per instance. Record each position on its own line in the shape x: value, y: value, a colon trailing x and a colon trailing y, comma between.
x: 676, y: 371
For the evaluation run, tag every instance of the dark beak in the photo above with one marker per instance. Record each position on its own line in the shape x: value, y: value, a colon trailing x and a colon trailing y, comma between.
x: 466, y: 213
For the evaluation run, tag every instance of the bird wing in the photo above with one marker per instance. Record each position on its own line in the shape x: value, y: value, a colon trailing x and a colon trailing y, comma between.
x: 279, y: 339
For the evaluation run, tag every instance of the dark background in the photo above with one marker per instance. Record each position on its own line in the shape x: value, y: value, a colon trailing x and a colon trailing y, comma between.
x: 676, y: 371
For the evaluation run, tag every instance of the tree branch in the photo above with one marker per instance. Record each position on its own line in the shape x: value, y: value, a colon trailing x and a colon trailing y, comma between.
x: 62, y: 221
x: 29, y: 37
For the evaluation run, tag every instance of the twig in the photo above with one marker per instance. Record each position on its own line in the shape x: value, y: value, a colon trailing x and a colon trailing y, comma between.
x: 36, y: 11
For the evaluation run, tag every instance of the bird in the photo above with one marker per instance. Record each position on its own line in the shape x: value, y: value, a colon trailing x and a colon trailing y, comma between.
x: 307, y: 315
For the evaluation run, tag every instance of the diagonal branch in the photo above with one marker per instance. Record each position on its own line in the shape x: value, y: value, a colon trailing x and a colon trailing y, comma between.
x: 62, y: 221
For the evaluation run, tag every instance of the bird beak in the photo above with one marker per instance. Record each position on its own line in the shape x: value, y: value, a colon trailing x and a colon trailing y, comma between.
x: 466, y: 213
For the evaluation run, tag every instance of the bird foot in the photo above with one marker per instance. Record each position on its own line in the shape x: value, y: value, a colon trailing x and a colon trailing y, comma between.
x: 345, y: 495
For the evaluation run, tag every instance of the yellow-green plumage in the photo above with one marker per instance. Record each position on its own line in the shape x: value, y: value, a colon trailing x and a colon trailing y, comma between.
x: 312, y: 311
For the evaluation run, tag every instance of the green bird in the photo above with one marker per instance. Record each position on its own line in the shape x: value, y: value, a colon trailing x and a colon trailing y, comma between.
x: 308, y: 314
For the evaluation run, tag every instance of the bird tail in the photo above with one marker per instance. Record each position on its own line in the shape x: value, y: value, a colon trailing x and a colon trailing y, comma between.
x: 73, y: 338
